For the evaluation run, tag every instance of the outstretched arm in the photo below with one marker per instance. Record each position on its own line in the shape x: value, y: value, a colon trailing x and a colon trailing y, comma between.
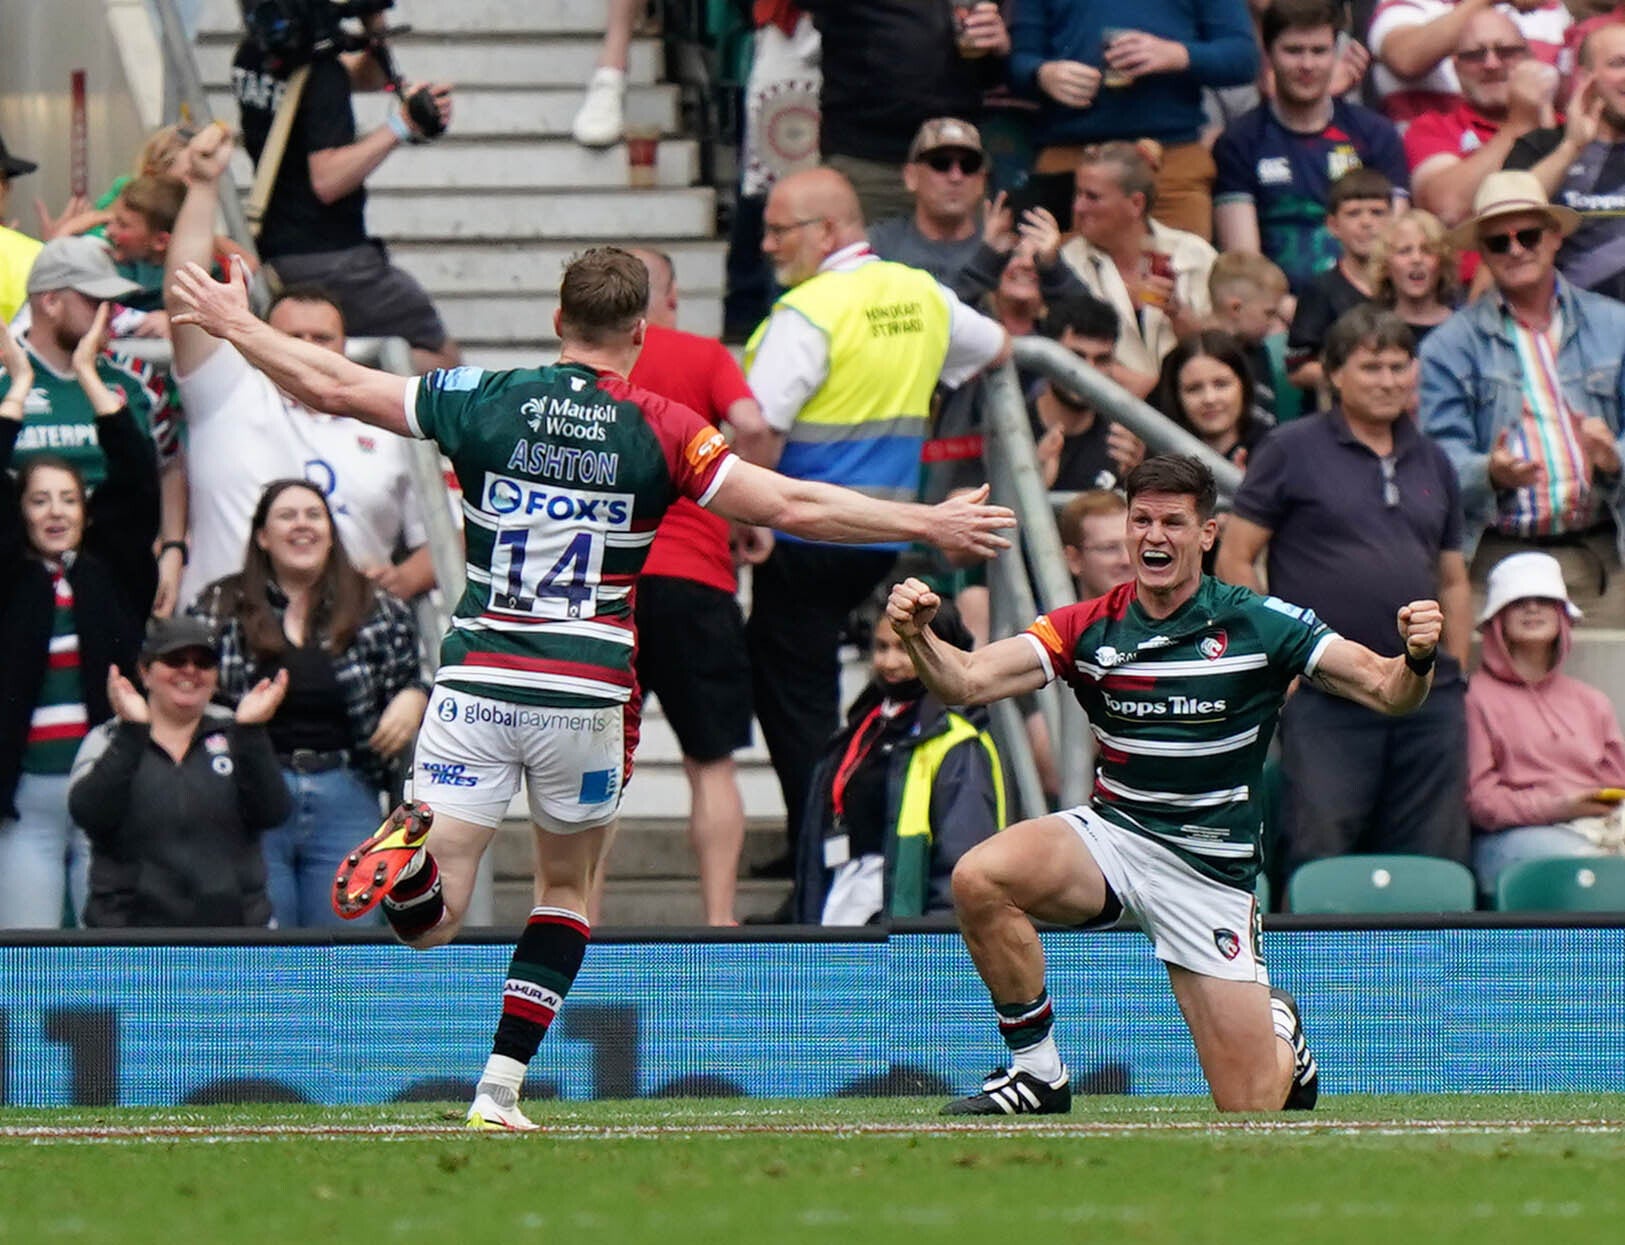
x: 1389, y: 685
x: 964, y: 524
x: 192, y: 239
x: 322, y: 379
x: 1006, y: 668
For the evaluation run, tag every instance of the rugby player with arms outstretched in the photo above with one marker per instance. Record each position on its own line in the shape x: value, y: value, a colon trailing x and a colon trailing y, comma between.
x: 566, y: 471
x: 1182, y: 678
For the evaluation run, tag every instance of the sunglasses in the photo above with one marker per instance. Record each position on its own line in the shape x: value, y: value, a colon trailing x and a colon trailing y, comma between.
x: 199, y: 658
x: 1501, y: 243
x: 967, y: 162
x: 1504, y: 52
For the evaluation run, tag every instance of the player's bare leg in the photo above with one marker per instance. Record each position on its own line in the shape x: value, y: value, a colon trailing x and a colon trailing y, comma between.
x: 420, y: 868
x: 456, y: 847
x: 544, y: 966
x: 1038, y: 868
x: 716, y: 829
x: 1041, y: 869
x: 600, y: 871
x: 1248, y: 1065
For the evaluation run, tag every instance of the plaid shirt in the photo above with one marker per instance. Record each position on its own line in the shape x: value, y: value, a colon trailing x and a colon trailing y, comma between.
x: 382, y: 660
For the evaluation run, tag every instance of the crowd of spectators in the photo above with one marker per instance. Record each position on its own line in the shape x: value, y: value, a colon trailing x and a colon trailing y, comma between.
x: 1468, y: 414
x: 1375, y: 260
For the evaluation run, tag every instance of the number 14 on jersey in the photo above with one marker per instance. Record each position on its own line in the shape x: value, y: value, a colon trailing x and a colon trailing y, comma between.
x: 566, y: 589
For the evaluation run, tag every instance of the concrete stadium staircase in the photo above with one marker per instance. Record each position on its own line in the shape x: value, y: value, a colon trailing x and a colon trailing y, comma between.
x: 485, y: 218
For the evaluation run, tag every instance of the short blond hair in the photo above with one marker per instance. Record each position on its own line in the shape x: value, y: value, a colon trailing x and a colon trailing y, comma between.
x: 1089, y: 505
x: 1238, y: 274
x: 163, y: 146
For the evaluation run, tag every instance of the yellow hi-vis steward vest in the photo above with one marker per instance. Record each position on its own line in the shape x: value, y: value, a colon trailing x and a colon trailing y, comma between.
x: 910, y: 883
x: 887, y: 329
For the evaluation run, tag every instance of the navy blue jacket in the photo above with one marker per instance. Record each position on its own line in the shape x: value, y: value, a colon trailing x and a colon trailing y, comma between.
x: 1218, y: 34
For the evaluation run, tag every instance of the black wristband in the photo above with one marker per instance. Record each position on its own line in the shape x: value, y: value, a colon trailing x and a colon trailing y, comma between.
x: 1420, y: 666
x: 186, y: 552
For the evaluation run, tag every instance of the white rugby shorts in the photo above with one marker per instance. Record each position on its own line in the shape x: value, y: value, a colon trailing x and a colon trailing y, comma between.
x: 1192, y: 920
x: 472, y: 750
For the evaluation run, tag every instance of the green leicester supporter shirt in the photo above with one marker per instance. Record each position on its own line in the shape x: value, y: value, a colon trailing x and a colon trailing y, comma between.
x: 58, y: 419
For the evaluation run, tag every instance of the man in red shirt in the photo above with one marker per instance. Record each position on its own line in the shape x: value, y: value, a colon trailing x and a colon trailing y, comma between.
x: 1411, y: 42
x: 691, y: 645
x: 1505, y: 93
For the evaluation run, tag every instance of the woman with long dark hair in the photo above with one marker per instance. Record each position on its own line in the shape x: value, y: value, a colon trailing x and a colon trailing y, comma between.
x: 1206, y: 387
x: 356, y: 692
x: 77, y: 578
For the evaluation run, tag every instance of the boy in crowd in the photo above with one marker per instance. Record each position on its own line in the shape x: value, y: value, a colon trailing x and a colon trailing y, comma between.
x: 1094, y: 538
x: 1361, y: 202
x: 138, y: 229
x: 1247, y: 292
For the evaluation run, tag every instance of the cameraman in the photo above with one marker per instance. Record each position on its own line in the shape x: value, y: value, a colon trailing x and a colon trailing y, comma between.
x: 314, y: 231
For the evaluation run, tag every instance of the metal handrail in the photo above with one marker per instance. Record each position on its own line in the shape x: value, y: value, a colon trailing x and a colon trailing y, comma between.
x: 1027, y: 578
x: 1034, y: 575
x: 181, y: 66
x: 1055, y: 362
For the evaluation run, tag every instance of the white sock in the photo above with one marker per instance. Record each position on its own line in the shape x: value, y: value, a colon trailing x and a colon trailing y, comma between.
x: 501, y: 1079
x: 1281, y: 1018
x: 1042, y: 1061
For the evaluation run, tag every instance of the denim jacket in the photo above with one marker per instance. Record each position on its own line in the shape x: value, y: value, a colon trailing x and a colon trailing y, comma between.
x: 1472, y: 389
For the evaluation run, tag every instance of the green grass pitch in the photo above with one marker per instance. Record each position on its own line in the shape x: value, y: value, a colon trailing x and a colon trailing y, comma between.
x: 1392, y: 1170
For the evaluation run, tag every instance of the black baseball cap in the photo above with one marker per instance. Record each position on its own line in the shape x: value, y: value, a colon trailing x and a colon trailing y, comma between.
x: 13, y: 166
x: 174, y: 635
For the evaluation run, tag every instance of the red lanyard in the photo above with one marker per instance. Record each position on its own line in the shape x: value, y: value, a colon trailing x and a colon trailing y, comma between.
x: 863, y: 739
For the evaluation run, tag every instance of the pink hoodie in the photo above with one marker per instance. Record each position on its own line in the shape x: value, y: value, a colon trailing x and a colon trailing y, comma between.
x: 1533, y: 747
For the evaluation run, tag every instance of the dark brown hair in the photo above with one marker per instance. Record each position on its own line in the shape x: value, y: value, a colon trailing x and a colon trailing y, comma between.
x: 604, y: 293
x: 343, y: 599
x: 1179, y: 475
x: 38, y: 463
x: 1357, y: 186
x: 1212, y: 344
x: 1284, y: 15
x: 1370, y: 326
x: 305, y: 292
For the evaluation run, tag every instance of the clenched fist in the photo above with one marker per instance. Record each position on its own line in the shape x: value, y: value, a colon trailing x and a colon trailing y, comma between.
x: 911, y: 607
x: 1421, y: 623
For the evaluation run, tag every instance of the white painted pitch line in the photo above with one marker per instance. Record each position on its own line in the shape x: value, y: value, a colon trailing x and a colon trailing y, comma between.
x: 1002, y: 1128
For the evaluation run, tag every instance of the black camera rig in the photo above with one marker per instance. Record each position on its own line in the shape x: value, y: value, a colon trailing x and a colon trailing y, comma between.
x: 295, y: 33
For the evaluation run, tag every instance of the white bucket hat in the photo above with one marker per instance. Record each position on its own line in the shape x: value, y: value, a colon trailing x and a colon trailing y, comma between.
x: 1525, y: 575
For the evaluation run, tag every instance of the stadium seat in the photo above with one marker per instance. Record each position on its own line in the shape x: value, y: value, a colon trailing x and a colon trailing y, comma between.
x: 1563, y: 884
x: 1371, y: 884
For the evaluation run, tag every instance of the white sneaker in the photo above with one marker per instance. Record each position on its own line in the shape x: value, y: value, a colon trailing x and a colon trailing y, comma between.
x: 487, y: 1117
x: 598, y: 123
